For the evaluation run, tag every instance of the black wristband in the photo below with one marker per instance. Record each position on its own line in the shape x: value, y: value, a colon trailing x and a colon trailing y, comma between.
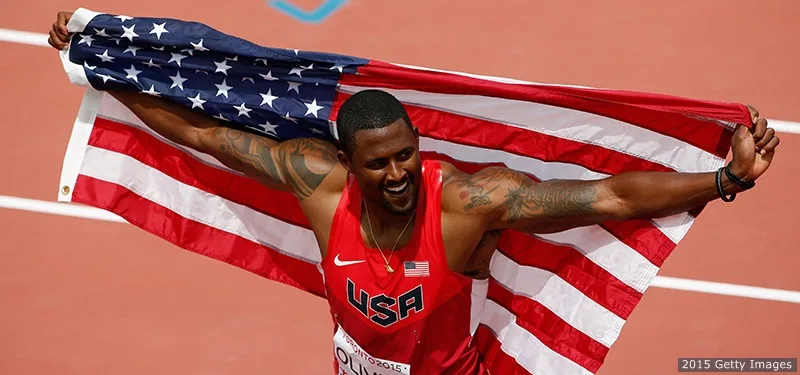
x: 720, y: 191
x: 744, y: 185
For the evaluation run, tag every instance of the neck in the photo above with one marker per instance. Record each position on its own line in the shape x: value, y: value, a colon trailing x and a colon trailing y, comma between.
x: 384, y: 221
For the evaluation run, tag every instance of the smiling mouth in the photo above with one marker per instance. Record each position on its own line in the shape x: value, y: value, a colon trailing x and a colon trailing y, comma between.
x: 399, y: 188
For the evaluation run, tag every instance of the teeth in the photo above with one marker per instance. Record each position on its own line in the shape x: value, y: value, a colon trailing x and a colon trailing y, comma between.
x: 398, y: 189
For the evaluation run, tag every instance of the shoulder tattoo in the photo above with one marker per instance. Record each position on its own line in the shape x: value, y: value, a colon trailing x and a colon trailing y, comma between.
x: 301, y: 164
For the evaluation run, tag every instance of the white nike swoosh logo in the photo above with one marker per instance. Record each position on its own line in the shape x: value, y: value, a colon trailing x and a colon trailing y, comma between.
x: 342, y: 263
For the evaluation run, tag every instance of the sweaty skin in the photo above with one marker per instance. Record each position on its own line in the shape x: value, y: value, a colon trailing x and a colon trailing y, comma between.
x: 476, y: 208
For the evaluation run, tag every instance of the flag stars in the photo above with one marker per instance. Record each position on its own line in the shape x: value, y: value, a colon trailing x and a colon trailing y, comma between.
x: 294, y: 86
x: 299, y: 70
x: 268, y: 76
x: 199, y: 46
x: 177, y: 81
x: 243, y: 110
x: 129, y: 33
x: 132, y: 49
x: 269, y: 128
x: 106, y: 77
x: 132, y: 73
x: 338, y: 67
x: 87, y: 66
x: 158, y: 30
x: 313, y: 108
x: 152, y: 64
x: 222, y: 67
x: 104, y: 56
x: 197, y: 102
x: 123, y: 18
x: 152, y: 91
x: 101, y: 32
x: 86, y: 39
x: 176, y: 57
x: 289, y: 118
x: 223, y: 88
x: 268, y: 98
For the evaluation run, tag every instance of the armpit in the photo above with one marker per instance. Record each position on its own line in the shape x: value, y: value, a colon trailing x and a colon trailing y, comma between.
x: 478, y: 265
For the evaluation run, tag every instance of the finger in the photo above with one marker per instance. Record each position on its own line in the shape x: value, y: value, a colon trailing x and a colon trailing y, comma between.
x: 62, y: 36
x: 770, y: 147
x: 769, y: 134
x: 759, y: 129
x: 768, y: 157
x: 51, y: 40
x: 54, y: 40
x: 58, y: 35
x: 63, y: 18
x: 741, y: 133
x: 754, y: 115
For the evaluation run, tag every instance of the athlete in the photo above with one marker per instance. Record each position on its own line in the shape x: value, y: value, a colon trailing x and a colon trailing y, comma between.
x: 405, y: 242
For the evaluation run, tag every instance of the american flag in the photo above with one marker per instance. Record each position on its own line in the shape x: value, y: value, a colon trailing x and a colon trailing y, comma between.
x: 416, y: 268
x: 555, y: 303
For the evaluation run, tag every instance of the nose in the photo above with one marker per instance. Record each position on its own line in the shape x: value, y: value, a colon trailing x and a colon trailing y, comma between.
x: 395, y: 172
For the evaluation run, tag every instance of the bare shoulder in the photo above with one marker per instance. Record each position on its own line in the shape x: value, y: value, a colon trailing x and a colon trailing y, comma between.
x: 312, y: 166
x: 304, y: 166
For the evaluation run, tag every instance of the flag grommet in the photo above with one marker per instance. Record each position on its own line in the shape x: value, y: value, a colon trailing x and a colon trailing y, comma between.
x: 65, y: 190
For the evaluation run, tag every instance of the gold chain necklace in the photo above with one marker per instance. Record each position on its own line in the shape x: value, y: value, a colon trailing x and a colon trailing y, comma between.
x: 388, y: 267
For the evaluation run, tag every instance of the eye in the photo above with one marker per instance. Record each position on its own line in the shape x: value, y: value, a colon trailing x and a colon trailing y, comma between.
x: 376, y: 164
x: 405, y: 155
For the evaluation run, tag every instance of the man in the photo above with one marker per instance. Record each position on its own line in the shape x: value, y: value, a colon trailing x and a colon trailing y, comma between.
x: 375, y: 206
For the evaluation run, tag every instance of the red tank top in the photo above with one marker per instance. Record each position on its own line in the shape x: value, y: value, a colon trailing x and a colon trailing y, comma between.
x: 417, y: 320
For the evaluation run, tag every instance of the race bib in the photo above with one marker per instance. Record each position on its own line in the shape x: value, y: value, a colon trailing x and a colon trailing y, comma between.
x: 353, y: 360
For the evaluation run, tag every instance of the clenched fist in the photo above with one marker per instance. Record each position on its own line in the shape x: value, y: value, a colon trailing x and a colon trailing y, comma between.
x: 59, y: 37
x: 753, y: 149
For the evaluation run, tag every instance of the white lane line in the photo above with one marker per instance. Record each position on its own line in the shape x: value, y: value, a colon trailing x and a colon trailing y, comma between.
x: 23, y: 37
x: 784, y: 126
x: 86, y: 212
x: 55, y: 208
x: 39, y: 39
x: 726, y: 289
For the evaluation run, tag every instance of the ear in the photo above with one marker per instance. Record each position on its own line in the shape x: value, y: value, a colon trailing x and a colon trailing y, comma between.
x: 416, y: 131
x: 345, y: 161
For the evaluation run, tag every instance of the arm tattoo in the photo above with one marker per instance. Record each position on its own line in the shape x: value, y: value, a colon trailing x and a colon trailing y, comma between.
x: 301, y: 164
x: 555, y: 200
x: 523, y: 198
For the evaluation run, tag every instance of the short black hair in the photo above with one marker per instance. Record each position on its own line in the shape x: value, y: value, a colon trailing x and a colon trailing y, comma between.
x: 367, y: 109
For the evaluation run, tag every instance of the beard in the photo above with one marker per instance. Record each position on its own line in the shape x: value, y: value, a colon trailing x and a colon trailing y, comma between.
x: 400, y: 210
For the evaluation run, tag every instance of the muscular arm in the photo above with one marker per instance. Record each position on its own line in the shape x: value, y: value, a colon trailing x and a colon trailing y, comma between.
x: 504, y: 198
x: 298, y: 165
